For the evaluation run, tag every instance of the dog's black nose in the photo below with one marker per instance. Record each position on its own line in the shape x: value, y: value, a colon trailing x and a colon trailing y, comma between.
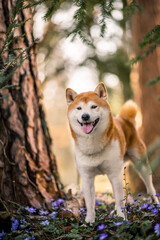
x: 85, y: 117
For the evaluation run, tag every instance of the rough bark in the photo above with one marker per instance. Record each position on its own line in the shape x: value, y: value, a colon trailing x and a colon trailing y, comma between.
x: 147, y: 69
x: 28, y: 168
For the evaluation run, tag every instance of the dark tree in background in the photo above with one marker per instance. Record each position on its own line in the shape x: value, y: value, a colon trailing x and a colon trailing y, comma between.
x: 28, y: 172
x: 148, y: 69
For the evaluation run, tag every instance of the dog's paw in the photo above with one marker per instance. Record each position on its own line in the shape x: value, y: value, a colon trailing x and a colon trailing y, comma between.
x: 119, y: 213
x: 155, y: 199
x: 90, y: 219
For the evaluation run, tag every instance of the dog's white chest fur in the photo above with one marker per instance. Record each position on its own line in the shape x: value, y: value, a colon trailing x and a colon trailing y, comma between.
x: 90, y: 145
x: 98, y: 158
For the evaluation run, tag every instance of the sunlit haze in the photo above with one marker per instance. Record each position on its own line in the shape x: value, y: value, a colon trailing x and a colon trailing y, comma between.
x: 74, y: 53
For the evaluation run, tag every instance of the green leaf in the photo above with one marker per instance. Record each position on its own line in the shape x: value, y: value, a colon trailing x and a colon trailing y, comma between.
x: 153, y: 81
x: 23, y: 236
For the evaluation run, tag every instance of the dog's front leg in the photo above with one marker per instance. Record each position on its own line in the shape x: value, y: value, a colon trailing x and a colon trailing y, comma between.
x: 117, y: 185
x: 89, y: 195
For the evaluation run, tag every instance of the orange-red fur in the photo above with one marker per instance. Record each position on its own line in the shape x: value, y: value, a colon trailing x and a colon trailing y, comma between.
x: 121, y: 128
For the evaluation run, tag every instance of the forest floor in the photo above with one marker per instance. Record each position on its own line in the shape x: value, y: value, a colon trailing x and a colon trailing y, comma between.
x: 66, y: 220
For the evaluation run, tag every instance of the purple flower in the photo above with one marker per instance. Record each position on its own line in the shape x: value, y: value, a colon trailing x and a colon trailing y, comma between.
x: 31, y: 210
x: 57, y: 203
x: 155, y: 210
x: 96, y: 202
x: 128, y: 223
x: 41, y: 212
x: 82, y: 211
x: 139, y: 194
x: 123, y: 199
x: 60, y: 200
x: 157, y: 194
x: 52, y: 199
x: 23, y: 221
x: 53, y: 215
x: 2, y: 234
x: 157, y: 229
x: 123, y: 208
x: 101, y: 227
x: 158, y: 205
x: 102, y: 236
x: 144, y: 206
x: 148, y: 199
x: 45, y: 222
x: 118, y: 223
x: 28, y: 238
x: 15, y: 224
x: 150, y: 207
x: 138, y: 209
x: 69, y: 210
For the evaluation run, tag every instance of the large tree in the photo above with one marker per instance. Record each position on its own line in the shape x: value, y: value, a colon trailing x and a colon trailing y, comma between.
x: 28, y: 168
x: 147, y: 69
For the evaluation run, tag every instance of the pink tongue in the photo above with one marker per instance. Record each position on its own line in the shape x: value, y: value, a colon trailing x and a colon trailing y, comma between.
x: 86, y: 128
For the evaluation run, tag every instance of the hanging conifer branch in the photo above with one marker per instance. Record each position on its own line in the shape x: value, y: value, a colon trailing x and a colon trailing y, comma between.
x: 132, y: 9
x: 106, y: 8
x: 15, y: 56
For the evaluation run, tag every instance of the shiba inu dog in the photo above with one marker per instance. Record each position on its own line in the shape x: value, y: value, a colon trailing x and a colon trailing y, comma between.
x: 102, y: 143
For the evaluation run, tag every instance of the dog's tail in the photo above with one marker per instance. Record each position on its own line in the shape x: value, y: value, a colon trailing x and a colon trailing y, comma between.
x: 129, y: 111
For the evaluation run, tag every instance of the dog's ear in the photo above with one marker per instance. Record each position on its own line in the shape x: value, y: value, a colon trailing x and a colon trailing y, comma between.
x: 101, y: 91
x: 70, y: 95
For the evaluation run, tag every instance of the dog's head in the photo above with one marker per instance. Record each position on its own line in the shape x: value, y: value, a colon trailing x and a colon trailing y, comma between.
x: 88, y: 112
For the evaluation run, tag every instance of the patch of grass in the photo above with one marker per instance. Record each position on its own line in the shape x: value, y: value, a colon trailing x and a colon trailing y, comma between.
x: 143, y: 222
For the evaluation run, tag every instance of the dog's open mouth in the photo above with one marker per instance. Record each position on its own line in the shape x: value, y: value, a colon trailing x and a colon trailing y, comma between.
x: 88, y: 127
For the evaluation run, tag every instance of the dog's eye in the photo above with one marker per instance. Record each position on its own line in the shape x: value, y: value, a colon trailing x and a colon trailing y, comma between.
x: 93, y: 106
x: 79, y: 108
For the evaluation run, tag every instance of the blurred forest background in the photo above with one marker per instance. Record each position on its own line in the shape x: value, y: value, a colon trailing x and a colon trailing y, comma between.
x: 106, y: 40
x: 65, y: 63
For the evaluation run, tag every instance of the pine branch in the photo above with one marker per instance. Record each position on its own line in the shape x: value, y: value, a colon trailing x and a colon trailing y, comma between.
x: 51, y: 9
x: 153, y: 81
x: 151, y: 37
x: 12, y: 64
x: 14, y: 60
x: 9, y: 86
x: 150, y: 49
x: 132, y: 8
x: 150, y: 41
x: 79, y: 24
x: 106, y: 8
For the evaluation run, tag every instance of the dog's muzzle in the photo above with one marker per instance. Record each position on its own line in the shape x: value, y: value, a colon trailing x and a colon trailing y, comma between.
x: 87, y: 127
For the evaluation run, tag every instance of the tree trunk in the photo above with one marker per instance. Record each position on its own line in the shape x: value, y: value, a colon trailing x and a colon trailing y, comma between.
x: 28, y: 168
x: 147, y: 69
